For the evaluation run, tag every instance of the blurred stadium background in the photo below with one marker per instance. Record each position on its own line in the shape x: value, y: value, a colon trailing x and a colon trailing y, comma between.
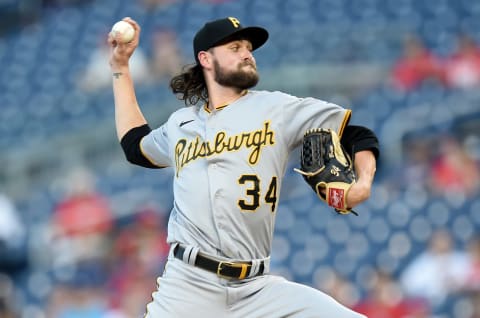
x: 57, y: 136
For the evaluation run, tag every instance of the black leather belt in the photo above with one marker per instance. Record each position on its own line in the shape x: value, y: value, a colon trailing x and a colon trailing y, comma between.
x: 231, y: 270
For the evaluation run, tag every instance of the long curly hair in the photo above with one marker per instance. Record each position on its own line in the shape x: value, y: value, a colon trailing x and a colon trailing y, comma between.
x: 190, y: 85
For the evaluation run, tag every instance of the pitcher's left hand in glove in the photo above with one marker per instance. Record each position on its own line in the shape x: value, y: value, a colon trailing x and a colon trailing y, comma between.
x: 327, y: 168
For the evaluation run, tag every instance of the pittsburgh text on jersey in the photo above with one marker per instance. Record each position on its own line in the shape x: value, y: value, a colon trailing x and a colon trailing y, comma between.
x: 187, y: 151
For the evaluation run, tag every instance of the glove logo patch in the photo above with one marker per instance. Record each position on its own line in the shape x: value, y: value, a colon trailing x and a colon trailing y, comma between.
x: 335, y: 171
x: 336, y: 198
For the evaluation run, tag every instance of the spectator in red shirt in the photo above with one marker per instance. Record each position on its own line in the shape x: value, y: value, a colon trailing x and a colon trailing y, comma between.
x: 139, y: 254
x: 416, y: 65
x: 385, y: 299
x: 462, y: 68
x: 454, y: 170
x: 81, y: 220
x: 83, y: 210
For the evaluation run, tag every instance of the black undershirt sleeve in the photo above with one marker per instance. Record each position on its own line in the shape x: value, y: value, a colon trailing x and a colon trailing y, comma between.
x: 359, y: 138
x: 130, y: 143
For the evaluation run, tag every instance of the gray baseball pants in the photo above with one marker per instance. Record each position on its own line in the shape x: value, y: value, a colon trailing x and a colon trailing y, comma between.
x: 188, y: 291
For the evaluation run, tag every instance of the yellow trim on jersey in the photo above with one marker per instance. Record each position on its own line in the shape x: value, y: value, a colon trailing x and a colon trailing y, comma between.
x: 218, y: 108
x: 148, y: 157
x: 205, y: 106
x: 345, y: 121
x: 222, y: 106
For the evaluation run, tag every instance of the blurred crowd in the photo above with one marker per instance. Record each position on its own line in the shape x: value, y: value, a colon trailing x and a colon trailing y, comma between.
x: 420, y: 290
x: 91, y: 262
x: 444, y: 165
x: 460, y: 69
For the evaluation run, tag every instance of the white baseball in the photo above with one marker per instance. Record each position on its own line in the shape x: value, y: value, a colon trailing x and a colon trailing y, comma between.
x: 125, y: 29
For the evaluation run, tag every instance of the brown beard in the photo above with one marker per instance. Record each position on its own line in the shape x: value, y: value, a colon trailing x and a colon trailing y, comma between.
x: 239, y: 78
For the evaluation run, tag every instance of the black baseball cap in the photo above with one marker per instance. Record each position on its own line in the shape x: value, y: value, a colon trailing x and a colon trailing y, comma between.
x: 215, y: 32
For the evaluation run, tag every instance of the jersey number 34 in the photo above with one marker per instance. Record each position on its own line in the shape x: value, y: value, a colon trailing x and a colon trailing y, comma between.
x: 253, y: 192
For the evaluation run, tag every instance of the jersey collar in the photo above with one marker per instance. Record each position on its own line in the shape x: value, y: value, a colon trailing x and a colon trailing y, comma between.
x: 205, y: 106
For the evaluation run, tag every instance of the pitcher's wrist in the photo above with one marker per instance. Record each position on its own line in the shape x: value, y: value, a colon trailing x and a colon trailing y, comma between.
x: 119, y: 68
x: 358, y: 193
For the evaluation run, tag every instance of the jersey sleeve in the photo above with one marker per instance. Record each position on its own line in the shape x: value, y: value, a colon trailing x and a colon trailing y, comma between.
x: 155, y: 146
x: 301, y: 114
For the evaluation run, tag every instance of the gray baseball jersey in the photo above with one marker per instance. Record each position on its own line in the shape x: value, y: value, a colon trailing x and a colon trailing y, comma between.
x: 229, y: 165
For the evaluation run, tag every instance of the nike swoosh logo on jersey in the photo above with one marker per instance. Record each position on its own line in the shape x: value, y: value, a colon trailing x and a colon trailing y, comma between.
x: 186, y: 122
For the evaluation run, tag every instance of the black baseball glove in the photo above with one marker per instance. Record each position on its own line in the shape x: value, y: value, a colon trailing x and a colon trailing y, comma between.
x: 327, y: 168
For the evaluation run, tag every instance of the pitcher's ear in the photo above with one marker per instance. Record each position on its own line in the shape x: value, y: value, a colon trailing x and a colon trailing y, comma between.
x: 205, y: 59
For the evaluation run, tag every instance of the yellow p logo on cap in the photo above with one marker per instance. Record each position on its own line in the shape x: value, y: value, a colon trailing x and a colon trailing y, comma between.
x: 234, y: 21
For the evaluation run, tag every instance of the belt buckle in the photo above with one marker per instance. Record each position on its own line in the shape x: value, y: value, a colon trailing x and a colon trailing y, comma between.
x: 243, y: 266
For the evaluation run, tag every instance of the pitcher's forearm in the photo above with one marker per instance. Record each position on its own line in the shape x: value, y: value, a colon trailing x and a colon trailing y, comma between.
x: 127, y: 112
x: 365, y: 167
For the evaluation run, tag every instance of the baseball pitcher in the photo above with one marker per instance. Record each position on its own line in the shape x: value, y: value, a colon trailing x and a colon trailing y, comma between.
x: 229, y: 148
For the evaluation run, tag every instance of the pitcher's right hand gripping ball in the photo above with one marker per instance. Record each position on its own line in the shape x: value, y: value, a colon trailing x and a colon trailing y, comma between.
x: 327, y: 168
